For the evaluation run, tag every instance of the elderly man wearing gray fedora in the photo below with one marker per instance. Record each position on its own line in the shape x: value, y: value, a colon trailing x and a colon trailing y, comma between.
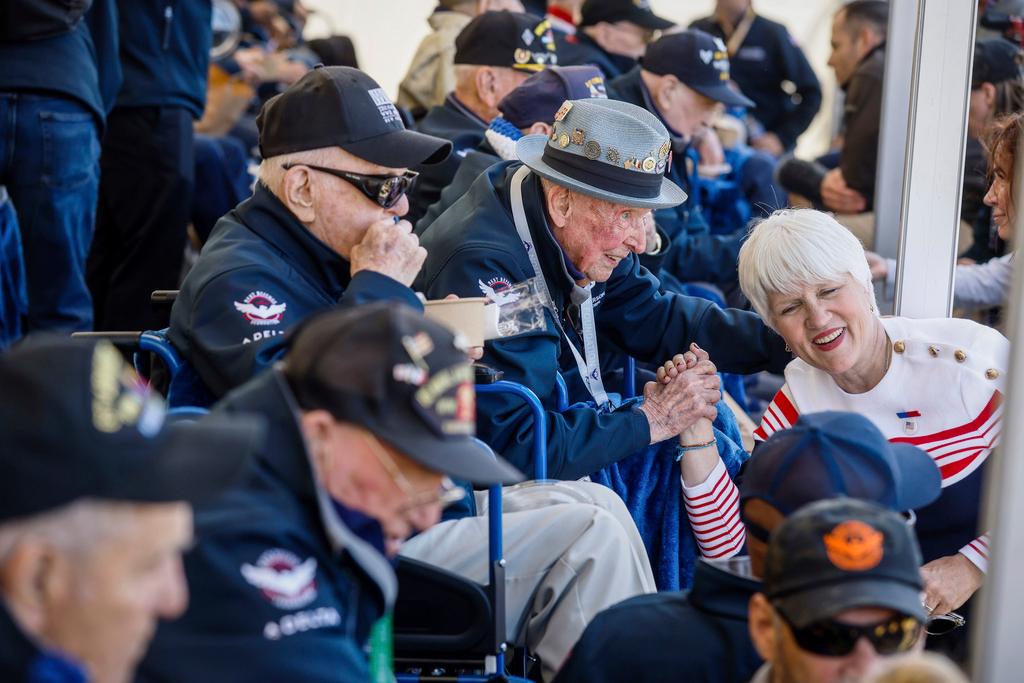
x: 575, y: 213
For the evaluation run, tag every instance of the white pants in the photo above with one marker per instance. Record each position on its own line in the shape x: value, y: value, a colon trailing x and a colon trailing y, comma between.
x: 571, y: 550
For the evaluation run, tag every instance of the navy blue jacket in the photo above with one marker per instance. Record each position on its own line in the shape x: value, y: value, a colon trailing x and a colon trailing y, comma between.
x: 80, y: 64
x: 696, y: 255
x: 261, y: 273
x: 695, y: 637
x: 241, y: 625
x: 165, y: 52
x: 581, y: 49
x: 451, y: 121
x: 474, y: 245
x: 768, y: 58
x: 475, y: 163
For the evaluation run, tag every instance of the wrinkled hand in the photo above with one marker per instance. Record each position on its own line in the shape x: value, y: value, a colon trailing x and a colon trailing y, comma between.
x: 687, y: 390
x: 949, y: 582
x: 769, y: 142
x: 878, y: 266
x: 709, y: 147
x: 390, y: 249
x: 838, y: 196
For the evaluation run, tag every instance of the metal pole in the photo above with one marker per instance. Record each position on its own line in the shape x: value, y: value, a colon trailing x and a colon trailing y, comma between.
x: 934, y: 162
x: 996, y: 650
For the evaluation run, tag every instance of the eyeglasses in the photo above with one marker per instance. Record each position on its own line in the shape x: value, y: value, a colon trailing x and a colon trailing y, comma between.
x: 834, y: 639
x: 941, y: 624
x: 385, y: 190
x: 448, y: 493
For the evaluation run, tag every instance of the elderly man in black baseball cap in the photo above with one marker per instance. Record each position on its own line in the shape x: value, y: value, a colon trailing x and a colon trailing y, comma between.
x: 612, y: 35
x: 684, y: 81
x: 494, y: 53
x: 95, y: 509
x: 369, y: 414
x: 842, y: 589
x: 323, y: 227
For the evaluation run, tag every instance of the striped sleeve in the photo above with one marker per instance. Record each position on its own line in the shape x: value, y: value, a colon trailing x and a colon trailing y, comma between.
x: 713, y: 508
x: 780, y: 414
x: 977, y: 552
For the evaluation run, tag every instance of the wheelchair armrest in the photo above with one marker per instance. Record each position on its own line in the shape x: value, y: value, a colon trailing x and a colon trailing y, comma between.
x: 163, y: 297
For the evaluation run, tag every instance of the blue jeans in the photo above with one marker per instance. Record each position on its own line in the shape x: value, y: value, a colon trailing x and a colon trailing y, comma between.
x: 13, y: 297
x: 49, y: 161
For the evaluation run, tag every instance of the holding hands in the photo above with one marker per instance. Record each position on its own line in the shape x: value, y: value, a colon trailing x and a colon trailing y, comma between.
x: 684, y: 396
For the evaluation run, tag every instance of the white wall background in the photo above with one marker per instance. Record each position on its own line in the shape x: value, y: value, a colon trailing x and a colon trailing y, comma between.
x: 386, y: 32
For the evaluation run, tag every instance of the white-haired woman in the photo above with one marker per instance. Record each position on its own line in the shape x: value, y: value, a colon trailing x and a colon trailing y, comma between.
x: 934, y: 383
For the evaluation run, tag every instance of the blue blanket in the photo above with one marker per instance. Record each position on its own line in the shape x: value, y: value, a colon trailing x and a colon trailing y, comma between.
x: 648, y: 482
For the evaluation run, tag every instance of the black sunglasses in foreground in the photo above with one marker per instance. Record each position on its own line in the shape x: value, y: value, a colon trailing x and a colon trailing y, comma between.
x: 385, y: 190
x: 834, y: 639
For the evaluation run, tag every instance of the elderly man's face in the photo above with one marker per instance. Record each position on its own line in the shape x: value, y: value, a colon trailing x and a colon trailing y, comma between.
x: 366, y: 474
x: 625, y: 38
x: 792, y: 664
x: 687, y: 111
x: 596, y: 234
x: 343, y: 213
x: 105, y: 615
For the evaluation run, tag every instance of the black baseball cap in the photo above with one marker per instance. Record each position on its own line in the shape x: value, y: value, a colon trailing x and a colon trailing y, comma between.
x: 538, y: 98
x: 343, y: 107
x: 634, y: 11
x: 995, y: 60
x: 831, y: 454
x: 698, y: 60
x: 387, y: 368
x: 76, y: 422
x: 842, y: 554
x: 510, y: 39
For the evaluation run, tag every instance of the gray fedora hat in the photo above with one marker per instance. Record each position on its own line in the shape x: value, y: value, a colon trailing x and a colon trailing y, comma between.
x: 606, y: 149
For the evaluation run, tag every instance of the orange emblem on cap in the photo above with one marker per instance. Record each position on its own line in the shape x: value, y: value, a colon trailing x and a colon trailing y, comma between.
x: 854, y: 546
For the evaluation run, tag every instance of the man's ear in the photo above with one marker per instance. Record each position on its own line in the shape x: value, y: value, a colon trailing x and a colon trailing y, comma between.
x: 557, y: 199
x: 989, y: 91
x: 539, y: 128
x: 487, y: 86
x: 35, y: 580
x: 299, y: 193
x: 761, y: 622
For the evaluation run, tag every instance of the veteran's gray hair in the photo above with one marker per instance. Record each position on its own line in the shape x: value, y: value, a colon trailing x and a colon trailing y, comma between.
x: 796, y: 247
x: 75, y: 528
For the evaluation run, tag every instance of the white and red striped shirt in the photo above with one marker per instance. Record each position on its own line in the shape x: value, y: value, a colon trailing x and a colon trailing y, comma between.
x: 941, y: 393
x: 714, y: 513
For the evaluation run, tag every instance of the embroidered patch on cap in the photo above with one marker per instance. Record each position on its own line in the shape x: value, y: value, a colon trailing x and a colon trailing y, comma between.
x: 855, y: 546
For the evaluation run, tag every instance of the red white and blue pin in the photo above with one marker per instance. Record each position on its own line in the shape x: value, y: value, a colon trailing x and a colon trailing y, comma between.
x: 909, y: 420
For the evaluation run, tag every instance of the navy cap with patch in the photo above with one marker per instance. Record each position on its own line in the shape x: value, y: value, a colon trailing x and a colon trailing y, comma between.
x: 338, y: 106
x: 538, y: 98
x: 510, y: 39
x: 996, y: 60
x: 76, y: 422
x: 698, y: 60
x: 637, y: 12
x: 403, y: 377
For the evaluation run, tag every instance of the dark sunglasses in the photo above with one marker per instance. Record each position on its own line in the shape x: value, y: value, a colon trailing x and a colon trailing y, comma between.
x: 385, y: 190
x: 941, y: 624
x: 833, y: 639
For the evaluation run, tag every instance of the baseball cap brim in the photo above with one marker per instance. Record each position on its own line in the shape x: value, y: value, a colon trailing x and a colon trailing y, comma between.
x: 825, y: 602
x: 921, y: 479
x: 724, y: 94
x: 401, y: 149
x: 191, y: 461
x: 648, y: 20
x: 530, y: 150
x: 466, y: 459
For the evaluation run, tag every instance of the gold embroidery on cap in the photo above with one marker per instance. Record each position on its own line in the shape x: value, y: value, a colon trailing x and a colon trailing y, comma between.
x: 521, y: 56
x: 578, y: 136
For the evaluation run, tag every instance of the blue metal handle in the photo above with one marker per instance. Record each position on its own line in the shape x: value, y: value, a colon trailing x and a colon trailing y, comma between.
x: 629, y: 378
x: 156, y: 342
x: 540, y: 425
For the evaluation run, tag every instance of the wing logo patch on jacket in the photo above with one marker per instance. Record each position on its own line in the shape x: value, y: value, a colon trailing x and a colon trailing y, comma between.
x: 495, y: 290
x: 260, y: 308
x: 282, y: 578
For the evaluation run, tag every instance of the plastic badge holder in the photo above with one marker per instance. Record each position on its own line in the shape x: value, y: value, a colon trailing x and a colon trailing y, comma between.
x: 515, y: 310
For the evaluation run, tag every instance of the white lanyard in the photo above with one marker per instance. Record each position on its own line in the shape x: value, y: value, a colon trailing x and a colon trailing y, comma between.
x: 590, y: 367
